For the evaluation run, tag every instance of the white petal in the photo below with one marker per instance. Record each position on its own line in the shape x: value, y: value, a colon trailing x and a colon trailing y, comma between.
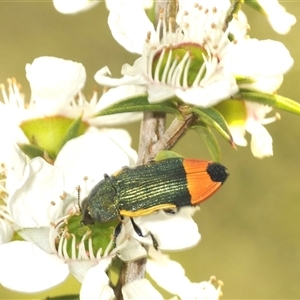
x: 111, y: 3
x: 36, y: 201
x: 96, y: 283
x: 115, y: 119
x: 238, y: 133
x: 251, y: 57
x: 103, y: 77
x: 280, y: 20
x: 119, y: 94
x: 209, y: 95
x: 264, y: 84
x: 93, y: 154
x: 261, y: 141
x: 54, y: 82
x: 238, y: 26
x: 38, y: 236
x: 26, y: 268
x: 6, y: 231
x: 169, y: 274
x: 202, y: 291
x: 10, y: 133
x: 15, y: 166
x: 140, y: 289
x: 172, y: 231
x: 79, y: 268
x: 129, y: 24
x: 158, y: 92
x: 133, y: 250
x: 74, y: 6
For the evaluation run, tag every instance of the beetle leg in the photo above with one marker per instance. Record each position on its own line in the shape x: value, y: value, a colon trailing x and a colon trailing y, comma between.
x: 117, y: 231
x: 138, y: 231
x: 171, y: 211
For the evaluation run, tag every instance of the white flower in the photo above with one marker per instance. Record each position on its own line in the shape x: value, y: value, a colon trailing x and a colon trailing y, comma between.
x: 6, y: 222
x: 56, y: 92
x: 167, y: 273
x: 280, y: 20
x: 54, y: 82
x: 73, y: 6
x: 146, y: 4
x: 197, y: 63
x: 261, y: 140
x: 170, y: 276
x: 12, y: 111
x: 56, y: 86
x: 47, y: 194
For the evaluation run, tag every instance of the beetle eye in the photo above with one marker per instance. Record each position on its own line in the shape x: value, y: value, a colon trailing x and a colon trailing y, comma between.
x: 86, y: 216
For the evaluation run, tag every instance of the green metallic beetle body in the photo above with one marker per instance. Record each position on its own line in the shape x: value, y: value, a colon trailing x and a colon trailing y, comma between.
x: 134, y: 189
x: 166, y: 184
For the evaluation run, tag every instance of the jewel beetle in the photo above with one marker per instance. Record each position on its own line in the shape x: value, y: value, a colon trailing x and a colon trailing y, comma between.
x: 167, y: 184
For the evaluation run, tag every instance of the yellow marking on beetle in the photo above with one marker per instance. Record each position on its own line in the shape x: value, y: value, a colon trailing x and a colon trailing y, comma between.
x: 146, y: 211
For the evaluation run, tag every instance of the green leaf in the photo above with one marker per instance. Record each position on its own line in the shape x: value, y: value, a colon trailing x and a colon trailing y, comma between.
x: 165, y: 154
x: 209, y: 140
x: 141, y: 104
x: 212, y: 117
x: 271, y: 100
x: 71, y: 132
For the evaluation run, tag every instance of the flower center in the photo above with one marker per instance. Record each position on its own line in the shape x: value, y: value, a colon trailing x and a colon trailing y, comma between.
x: 72, y: 240
x: 182, y: 65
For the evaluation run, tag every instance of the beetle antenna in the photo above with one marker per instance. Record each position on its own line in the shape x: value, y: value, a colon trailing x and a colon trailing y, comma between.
x: 78, y: 189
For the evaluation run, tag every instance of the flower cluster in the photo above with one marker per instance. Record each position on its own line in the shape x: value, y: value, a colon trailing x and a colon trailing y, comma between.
x: 57, y: 146
x: 42, y: 203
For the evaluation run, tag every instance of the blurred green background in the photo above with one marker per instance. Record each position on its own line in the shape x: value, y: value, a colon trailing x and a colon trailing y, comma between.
x: 251, y: 228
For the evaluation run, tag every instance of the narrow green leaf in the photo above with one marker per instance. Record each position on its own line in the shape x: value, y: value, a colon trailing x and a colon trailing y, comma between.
x: 212, y: 117
x: 141, y: 104
x: 271, y: 100
x: 64, y: 297
x: 72, y: 132
x: 255, y: 5
x: 209, y: 140
x: 244, y: 79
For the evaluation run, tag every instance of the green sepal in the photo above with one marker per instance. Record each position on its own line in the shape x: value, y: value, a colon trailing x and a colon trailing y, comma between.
x: 271, y: 100
x: 141, y: 104
x: 72, y: 132
x: 33, y: 151
x: 165, y: 154
x: 49, y: 132
x: 234, y: 111
x: 209, y: 140
x: 214, y: 118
